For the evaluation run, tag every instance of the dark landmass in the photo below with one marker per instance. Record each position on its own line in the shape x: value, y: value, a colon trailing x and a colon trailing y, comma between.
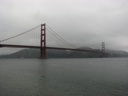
x: 35, y: 53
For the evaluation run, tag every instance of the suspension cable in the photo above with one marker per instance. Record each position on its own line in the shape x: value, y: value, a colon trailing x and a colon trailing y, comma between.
x: 19, y: 34
x: 58, y: 36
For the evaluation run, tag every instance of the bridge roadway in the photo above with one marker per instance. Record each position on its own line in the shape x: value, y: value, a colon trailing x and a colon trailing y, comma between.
x: 57, y: 48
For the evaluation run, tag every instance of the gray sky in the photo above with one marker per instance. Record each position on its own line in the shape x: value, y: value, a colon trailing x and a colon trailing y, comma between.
x: 84, y: 23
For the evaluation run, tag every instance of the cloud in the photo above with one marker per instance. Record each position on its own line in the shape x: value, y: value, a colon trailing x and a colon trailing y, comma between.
x: 84, y: 23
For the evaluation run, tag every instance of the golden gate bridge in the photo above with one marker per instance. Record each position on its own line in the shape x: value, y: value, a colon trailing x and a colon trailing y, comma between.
x: 40, y: 37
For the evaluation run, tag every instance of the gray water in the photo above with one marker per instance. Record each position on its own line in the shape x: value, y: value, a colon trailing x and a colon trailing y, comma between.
x: 64, y: 77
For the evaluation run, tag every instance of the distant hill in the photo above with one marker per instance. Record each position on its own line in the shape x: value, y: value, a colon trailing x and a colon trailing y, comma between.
x: 35, y: 53
x: 117, y: 53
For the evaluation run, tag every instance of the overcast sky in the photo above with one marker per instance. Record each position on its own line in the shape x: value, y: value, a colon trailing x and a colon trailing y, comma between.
x: 84, y: 23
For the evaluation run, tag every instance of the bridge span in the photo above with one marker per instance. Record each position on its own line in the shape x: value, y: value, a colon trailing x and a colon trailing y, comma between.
x: 42, y: 42
x: 57, y: 48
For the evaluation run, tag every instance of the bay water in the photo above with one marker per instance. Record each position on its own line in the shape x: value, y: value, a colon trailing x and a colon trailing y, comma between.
x: 64, y: 77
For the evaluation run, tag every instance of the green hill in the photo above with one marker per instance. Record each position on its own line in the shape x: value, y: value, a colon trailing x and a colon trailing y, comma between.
x: 35, y: 53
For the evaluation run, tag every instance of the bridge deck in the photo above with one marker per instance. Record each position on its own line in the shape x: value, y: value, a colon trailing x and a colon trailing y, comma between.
x: 57, y: 48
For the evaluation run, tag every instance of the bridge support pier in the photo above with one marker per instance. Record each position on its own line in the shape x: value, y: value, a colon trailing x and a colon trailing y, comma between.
x: 43, y: 42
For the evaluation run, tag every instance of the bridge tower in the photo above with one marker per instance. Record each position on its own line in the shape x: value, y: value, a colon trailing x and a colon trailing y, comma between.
x: 43, y: 41
x: 103, y: 48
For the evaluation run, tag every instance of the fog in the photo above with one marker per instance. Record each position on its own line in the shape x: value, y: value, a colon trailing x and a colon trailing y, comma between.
x: 84, y: 23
